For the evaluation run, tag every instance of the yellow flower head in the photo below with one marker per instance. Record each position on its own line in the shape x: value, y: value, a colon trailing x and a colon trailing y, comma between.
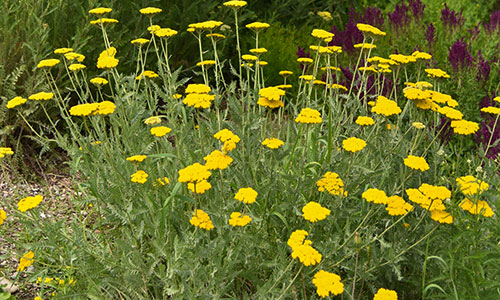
x: 332, y: 183
x: 306, y: 254
x: 314, y: 212
x: 364, y: 121
x: 272, y: 143
x: 402, y: 59
x: 199, y: 100
x: 105, y: 108
x: 322, y: 35
x: 104, y: 21
x: 207, y: 25
x: 153, y: 28
x: 421, y: 55
x: 368, y: 29
x: 194, y: 173
x: 100, y: 11
x: 308, y: 116
x: 41, y: 96
x: 161, y: 181
x: 202, y: 220
x: 198, y: 89
x: 216, y: 36
x: 217, y: 160
x: 464, y: 127
x: 305, y: 60
x: 4, y: 151
x: 16, y: 101
x: 297, y: 238
x: 246, y: 195
x: 199, y: 187
x: 491, y: 110
x: 147, y: 74
x: 285, y: 73
x: 76, y: 67
x: 451, y: 113
x: 326, y: 16
x: 29, y: 202
x: 397, y: 206
x: 470, y: 185
x: 139, y: 41
x: 416, y: 163
x: 365, y: 46
x: 150, y: 11
x: 271, y: 93
x: 165, y: 33
x: 74, y: 56
x: 3, y: 216
x: 26, y: 261
x: 418, y: 125
x: 237, y: 219
x: 353, y: 144
x: 386, y: 107
x: 107, y: 59
x: 257, y: 26
x: 327, y: 283
x: 441, y: 216
x: 383, y: 294
x: 136, y: 158
x: 206, y: 63
x: 249, y: 57
x: 99, y: 81
x: 139, y: 177
x: 375, y: 196
x: 478, y: 207
x: 48, y: 63
x: 436, y: 73
x: 235, y: 4
x: 63, y: 50
x: 83, y: 110
x: 160, y: 131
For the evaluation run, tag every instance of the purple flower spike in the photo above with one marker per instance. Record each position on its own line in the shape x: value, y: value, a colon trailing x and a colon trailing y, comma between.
x: 430, y: 35
x: 483, y: 68
x: 400, y: 16
x: 460, y: 56
x: 417, y: 8
x: 494, y: 23
x: 451, y: 19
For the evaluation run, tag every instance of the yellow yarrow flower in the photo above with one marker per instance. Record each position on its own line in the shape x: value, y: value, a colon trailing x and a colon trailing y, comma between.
x: 76, y: 67
x: 491, y: 110
x: 98, y: 81
x: 386, y: 107
x: 326, y: 16
x: 416, y: 163
x: 63, y: 50
x: 421, y: 55
x: 297, y: 238
x: 4, y: 151
x: 199, y: 187
x: 272, y: 143
x: 285, y: 73
x: 26, y: 261
x: 16, y: 101
x: 418, y: 125
x: 353, y: 144
x: 194, y: 173
x: 478, y: 207
x: 375, y: 196
x: 139, y: 177
x: 327, y: 283
x: 322, y: 35
x: 139, y: 41
x: 237, y: 219
x: 150, y: 11
x: 436, y: 73
x: 160, y: 131
x: 441, y: 216
x: 3, y: 216
x: 384, y: 294
x: 74, y: 56
x: 136, y: 158
x: 332, y: 183
x: 364, y: 121
x: 451, y: 113
x: 246, y: 195
x: 306, y: 254
x: 100, y: 11
x: 161, y: 181
x: 217, y: 160
x: 107, y: 59
x: 85, y: 109
x: 198, y: 89
x: 153, y: 28
x: 397, y: 206
x: 28, y: 203
x: 41, y: 96
x: 308, y: 116
x: 209, y: 25
x: 206, y: 63
x: 314, y: 212
x: 147, y: 74
x: 235, y: 4
x: 257, y: 26
x: 464, y: 127
x: 48, y: 63
x: 202, y: 220
x: 165, y: 33
x: 104, y: 21
x: 365, y: 46
x: 470, y: 185
x: 199, y: 100
x: 369, y: 29
x: 271, y: 93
